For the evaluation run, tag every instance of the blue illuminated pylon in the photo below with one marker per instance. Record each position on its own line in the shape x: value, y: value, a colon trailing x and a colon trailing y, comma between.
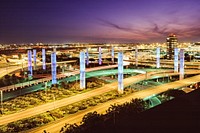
x: 30, y: 69
x: 181, y: 64
x: 120, y: 73
x: 158, y: 57
x: 82, y: 70
x: 176, y: 60
x: 136, y: 56
x: 34, y: 59
x: 112, y: 54
x: 53, y: 67
x: 43, y: 59
x: 100, y: 58
x: 87, y: 57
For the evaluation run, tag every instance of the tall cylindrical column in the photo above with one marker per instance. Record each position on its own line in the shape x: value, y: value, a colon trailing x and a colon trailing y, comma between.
x: 87, y: 57
x: 82, y: 70
x: 100, y: 58
x: 43, y: 59
x: 34, y: 59
x: 30, y: 69
x: 176, y: 60
x: 181, y: 64
x: 158, y: 57
x: 53, y: 67
x: 112, y: 54
x: 120, y: 72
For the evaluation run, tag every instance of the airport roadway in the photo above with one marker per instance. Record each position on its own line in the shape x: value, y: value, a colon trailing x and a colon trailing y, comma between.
x: 76, y: 118
x: 59, y: 103
x: 166, y: 63
x: 49, y: 78
x: 12, y: 68
x: 14, y: 93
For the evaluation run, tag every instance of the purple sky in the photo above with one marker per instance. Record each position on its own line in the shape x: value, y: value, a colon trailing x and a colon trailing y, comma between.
x: 111, y: 21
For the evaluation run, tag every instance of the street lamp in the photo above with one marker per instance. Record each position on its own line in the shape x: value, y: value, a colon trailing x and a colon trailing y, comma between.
x: 1, y: 101
x: 54, y: 100
x: 146, y: 75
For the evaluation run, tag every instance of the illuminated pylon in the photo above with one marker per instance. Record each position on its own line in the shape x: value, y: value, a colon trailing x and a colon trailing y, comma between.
x: 112, y: 54
x: 181, y: 64
x: 176, y: 60
x: 87, y: 57
x: 120, y: 73
x: 82, y: 70
x: 34, y: 59
x: 53, y: 67
x: 30, y: 69
x: 158, y: 57
x: 43, y: 59
x: 100, y: 58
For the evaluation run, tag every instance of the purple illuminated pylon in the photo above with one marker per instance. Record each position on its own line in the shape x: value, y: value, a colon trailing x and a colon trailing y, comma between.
x: 30, y: 69
x: 82, y: 70
x: 34, y: 59
x: 176, y: 60
x: 100, y: 58
x: 53, y: 67
x: 112, y: 54
x: 43, y: 59
x: 158, y: 57
x: 87, y: 57
x: 181, y: 64
x: 120, y: 73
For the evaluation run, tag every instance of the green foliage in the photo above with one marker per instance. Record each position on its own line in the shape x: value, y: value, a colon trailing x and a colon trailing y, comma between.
x: 93, y: 122
x: 91, y: 119
x: 73, y: 110
x: 91, y: 102
x: 174, y: 93
x: 82, y: 105
x: 70, y: 128
x: 56, y: 113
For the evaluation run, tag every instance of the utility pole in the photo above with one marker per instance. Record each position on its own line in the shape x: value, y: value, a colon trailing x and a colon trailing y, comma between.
x: 1, y: 101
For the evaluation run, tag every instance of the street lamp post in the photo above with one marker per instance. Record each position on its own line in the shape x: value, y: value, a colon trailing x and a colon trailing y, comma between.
x: 146, y: 75
x: 54, y: 101
x: 22, y: 67
x: 167, y: 78
x: 1, y: 101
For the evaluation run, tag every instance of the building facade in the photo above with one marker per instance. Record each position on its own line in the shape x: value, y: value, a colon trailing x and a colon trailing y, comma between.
x: 171, y: 44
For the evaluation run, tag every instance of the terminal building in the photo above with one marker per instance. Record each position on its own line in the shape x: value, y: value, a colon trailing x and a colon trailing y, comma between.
x: 171, y: 44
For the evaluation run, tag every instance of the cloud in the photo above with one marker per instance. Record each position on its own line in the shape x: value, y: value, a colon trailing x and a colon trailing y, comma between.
x: 159, y: 30
x: 156, y: 31
x: 115, y: 26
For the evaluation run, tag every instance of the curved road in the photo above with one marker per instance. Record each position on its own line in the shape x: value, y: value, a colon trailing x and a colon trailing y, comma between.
x: 59, y: 103
x: 76, y: 118
x: 49, y: 106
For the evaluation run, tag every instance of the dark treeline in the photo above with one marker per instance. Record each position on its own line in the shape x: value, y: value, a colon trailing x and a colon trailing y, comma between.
x: 181, y: 114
